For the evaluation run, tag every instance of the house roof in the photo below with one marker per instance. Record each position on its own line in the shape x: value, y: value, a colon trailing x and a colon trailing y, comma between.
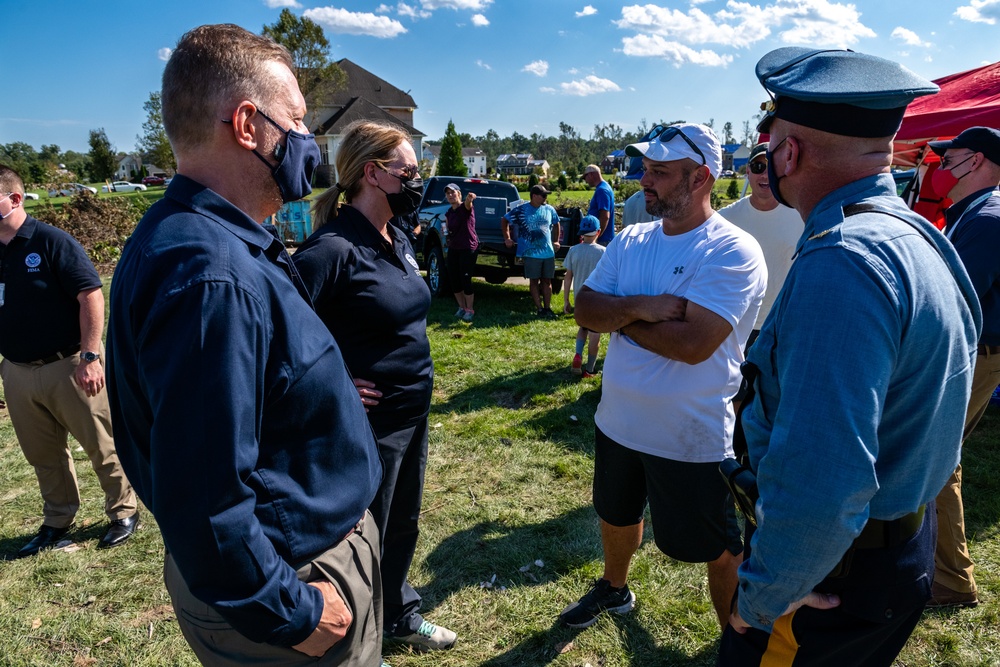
x: 362, y: 83
x: 472, y: 152
x: 361, y: 108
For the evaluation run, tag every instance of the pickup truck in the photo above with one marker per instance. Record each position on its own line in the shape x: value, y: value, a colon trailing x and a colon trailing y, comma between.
x: 496, y: 262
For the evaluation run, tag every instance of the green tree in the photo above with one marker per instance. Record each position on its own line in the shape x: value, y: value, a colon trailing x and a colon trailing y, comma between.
x: 152, y: 144
x: 103, y: 162
x: 733, y: 191
x: 450, y: 162
x: 318, y: 76
x: 20, y: 157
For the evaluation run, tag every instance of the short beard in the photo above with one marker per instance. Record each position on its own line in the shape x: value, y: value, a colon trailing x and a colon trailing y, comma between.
x: 676, y: 203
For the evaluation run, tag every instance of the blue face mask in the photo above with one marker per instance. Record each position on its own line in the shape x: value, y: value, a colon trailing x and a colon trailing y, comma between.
x: 772, y: 176
x: 297, y: 161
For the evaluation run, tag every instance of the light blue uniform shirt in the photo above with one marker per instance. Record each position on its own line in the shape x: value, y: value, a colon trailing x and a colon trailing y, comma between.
x: 865, y: 370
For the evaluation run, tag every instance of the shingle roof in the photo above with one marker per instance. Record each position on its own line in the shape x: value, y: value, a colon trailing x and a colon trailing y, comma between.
x: 362, y: 83
x: 360, y: 108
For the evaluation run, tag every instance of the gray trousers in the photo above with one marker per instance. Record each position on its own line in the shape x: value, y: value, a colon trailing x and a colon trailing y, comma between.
x: 352, y: 565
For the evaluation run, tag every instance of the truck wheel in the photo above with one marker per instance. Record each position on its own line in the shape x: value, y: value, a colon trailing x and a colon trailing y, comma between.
x: 437, y: 278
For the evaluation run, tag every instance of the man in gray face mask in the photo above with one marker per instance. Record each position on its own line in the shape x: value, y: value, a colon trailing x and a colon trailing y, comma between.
x: 234, y: 409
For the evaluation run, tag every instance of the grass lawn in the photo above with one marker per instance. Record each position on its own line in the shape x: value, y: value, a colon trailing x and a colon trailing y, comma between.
x: 507, y: 503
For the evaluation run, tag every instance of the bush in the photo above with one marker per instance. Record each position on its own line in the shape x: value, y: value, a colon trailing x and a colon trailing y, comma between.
x: 532, y: 181
x: 101, y: 225
x: 561, y: 182
x: 733, y: 191
x: 626, y: 189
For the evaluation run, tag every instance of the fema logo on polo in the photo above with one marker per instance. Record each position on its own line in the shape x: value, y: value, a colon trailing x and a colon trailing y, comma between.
x: 413, y: 262
x: 33, y: 261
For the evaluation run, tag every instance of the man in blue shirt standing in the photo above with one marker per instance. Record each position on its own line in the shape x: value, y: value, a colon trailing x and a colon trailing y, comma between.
x: 969, y: 174
x: 234, y: 412
x: 876, y: 316
x: 537, y: 223
x: 602, y: 204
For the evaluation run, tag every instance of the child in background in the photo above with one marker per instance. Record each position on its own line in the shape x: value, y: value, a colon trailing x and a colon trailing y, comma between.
x: 580, y: 261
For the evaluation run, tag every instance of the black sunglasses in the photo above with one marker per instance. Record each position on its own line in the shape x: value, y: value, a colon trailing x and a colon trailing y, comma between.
x: 758, y: 167
x: 665, y: 134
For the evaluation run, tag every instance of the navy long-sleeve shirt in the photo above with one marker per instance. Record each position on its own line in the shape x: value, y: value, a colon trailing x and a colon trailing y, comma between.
x: 235, y: 417
x: 977, y: 241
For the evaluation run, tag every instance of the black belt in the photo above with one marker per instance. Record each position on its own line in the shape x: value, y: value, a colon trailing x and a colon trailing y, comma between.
x: 985, y: 349
x: 68, y: 352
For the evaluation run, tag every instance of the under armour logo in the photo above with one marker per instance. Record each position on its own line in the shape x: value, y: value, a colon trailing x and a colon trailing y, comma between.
x: 678, y: 270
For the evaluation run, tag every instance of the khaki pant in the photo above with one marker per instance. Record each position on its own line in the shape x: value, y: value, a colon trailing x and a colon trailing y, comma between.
x: 45, y: 405
x: 953, y: 565
x: 352, y: 565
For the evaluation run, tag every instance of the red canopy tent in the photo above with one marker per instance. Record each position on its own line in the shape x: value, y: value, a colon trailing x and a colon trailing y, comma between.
x: 967, y: 99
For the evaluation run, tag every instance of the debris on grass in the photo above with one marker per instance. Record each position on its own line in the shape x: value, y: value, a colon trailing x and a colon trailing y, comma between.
x: 564, y: 647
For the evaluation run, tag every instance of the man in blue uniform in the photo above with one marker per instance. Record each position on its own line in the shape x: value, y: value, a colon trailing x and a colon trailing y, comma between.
x: 51, y: 319
x: 969, y: 174
x: 235, y: 415
x: 876, y: 316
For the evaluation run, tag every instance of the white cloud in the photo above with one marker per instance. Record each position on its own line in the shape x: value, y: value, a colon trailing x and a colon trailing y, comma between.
x: 654, y: 46
x: 383, y: 9
x: 589, y: 85
x: 278, y: 4
x: 164, y: 53
x: 572, y: 71
x: 472, y: 5
x: 586, y: 11
x: 547, y: 89
x: 742, y: 24
x: 355, y: 23
x: 908, y: 37
x: 404, y: 9
x: 980, y: 11
x: 480, y: 21
x: 486, y: 66
x: 538, y: 68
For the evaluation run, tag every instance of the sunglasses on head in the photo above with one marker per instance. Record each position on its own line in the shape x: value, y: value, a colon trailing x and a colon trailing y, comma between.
x: 665, y: 134
x: 758, y: 167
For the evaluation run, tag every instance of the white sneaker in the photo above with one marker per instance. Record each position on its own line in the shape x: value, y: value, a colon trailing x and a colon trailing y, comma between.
x: 429, y: 637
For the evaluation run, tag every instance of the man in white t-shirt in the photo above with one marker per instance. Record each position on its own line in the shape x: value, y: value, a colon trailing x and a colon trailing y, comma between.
x: 681, y: 295
x: 776, y: 227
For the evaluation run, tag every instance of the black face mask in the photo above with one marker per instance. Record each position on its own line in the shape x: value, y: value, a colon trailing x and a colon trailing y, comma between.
x: 772, y: 176
x: 407, y: 199
x: 297, y: 161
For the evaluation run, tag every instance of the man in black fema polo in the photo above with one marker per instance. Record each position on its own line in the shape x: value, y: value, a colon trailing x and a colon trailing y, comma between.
x: 51, y: 319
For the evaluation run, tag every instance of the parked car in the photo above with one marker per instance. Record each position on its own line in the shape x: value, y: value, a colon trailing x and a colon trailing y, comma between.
x: 727, y: 173
x: 70, y: 189
x: 30, y: 195
x: 124, y: 186
x: 153, y: 180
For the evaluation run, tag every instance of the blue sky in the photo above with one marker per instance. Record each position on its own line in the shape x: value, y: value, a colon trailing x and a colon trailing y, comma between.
x: 510, y: 65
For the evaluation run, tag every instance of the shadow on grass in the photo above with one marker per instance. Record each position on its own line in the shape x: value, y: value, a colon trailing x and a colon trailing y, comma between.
x: 9, y: 546
x: 539, y: 648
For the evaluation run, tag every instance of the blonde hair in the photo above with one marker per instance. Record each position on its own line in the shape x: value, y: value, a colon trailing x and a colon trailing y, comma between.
x: 363, y: 142
x: 214, y: 66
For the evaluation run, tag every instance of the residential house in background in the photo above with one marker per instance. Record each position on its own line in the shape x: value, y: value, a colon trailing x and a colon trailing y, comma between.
x: 521, y: 164
x: 130, y: 166
x: 365, y: 97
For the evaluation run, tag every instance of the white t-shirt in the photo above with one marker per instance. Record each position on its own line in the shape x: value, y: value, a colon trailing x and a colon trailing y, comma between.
x: 777, y: 231
x: 660, y: 406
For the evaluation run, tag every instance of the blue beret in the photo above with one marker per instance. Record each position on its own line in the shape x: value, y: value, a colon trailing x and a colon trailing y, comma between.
x: 838, y: 91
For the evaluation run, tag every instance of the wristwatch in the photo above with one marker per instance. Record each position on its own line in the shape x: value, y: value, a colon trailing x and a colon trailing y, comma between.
x: 90, y: 356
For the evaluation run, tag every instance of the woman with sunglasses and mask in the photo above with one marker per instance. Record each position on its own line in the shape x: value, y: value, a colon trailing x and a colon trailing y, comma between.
x: 362, y: 276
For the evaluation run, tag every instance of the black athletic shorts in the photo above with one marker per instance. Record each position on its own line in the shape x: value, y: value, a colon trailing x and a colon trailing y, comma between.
x: 693, y: 515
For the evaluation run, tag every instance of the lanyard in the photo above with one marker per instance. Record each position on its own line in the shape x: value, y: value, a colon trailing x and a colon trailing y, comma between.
x: 979, y: 200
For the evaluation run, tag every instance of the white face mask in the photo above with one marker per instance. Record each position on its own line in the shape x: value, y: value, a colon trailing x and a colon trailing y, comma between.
x: 7, y: 196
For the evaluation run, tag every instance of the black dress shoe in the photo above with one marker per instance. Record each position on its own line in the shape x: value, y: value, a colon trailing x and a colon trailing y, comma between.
x: 46, y: 538
x: 119, y: 532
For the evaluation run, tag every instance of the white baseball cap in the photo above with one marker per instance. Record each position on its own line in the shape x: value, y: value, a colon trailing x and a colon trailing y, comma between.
x: 683, y: 140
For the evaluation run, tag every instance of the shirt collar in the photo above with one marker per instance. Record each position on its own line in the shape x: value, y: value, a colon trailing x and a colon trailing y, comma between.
x: 956, y: 210
x: 829, y: 212
x: 197, y: 197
